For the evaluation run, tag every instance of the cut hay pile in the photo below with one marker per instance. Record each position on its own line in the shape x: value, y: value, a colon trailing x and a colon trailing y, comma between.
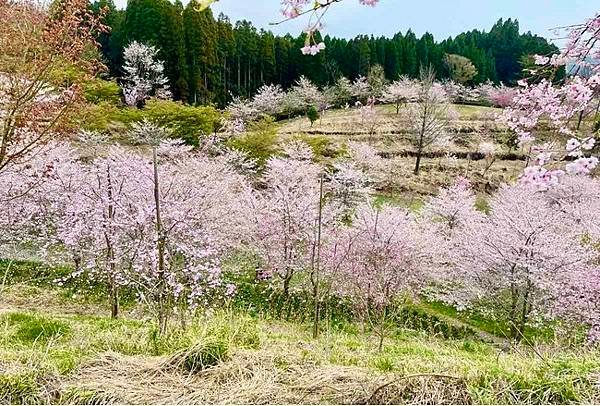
x: 251, y: 377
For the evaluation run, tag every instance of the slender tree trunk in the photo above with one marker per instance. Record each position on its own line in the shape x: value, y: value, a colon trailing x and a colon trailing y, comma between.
x: 579, y: 120
x: 225, y: 84
x: 161, y: 287
x: 418, y: 163
x: 524, y: 312
x: 420, y: 147
x: 512, y: 316
x: 239, y: 75
x: 110, y: 253
x: 77, y: 263
x: 382, y: 328
x: 317, y: 263
x: 286, y: 286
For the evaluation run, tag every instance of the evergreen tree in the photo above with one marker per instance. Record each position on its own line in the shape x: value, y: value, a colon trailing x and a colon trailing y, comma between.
x: 201, y: 36
x: 111, y: 41
x: 208, y: 61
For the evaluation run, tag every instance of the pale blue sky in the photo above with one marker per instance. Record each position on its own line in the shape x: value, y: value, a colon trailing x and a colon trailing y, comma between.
x: 442, y: 18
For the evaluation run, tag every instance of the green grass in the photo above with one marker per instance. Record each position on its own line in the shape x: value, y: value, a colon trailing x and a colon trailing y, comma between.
x: 473, y: 112
x: 21, y: 388
x: 412, y: 203
x: 495, y: 327
x: 39, y: 348
x: 491, y: 376
x: 29, y: 328
x: 31, y: 272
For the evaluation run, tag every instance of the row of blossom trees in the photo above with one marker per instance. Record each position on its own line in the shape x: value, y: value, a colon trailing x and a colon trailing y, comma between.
x: 156, y: 223
x: 274, y: 101
x: 160, y: 219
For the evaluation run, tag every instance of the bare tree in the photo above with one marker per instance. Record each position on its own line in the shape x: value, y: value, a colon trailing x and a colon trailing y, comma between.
x: 430, y: 116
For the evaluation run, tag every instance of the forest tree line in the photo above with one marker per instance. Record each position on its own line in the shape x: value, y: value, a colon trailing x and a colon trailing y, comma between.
x: 209, y: 60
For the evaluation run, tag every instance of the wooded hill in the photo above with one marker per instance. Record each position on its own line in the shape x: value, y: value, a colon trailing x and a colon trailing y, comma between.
x: 209, y: 60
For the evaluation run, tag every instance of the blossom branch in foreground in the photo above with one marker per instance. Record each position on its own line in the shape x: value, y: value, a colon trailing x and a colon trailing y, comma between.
x: 292, y: 9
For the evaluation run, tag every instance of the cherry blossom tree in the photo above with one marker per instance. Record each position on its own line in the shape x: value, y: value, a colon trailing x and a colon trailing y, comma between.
x: 400, y: 92
x: 158, y: 225
x: 361, y: 91
x: 488, y: 150
x: 382, y: 258
x: 94, y: 215
x: 285, y: 214
x: 307, y: 93
x: 563, y: 107
x: 239, y: 113
x: 24, y: 197
x: 144, y: 74
x: 452, y: 210
x: 366, y: 158
x: 501, y: 96
x: 369, y: 118
x: 292, y: 104
x: 459, y: 93
x: 517, y: 256
x: 343, y: 91
x: 349, y: 185
x: 578, y: 197
x: 268, y: 100
x: 577, y: 301
x: 190, y: 218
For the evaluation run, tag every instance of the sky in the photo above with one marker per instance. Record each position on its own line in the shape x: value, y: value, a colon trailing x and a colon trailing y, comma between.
x: 442, y: 18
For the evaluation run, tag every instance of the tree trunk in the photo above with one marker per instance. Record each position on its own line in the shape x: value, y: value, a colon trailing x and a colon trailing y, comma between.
x: 420, y: 145
x: 579, y: 120
x: 317, y: 262
x: 382, y: 328
x: 286, y: 285
x: 418, y: 163
x: 161, y: 287
x: 114, y: 299
x: 512, y: 316
x: 110, y: 253
x: 524, y: 312
x: 239, y: 75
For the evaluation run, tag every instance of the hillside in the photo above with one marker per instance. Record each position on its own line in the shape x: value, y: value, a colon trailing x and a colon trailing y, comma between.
x: 57, y: 346
x: 391, y: 136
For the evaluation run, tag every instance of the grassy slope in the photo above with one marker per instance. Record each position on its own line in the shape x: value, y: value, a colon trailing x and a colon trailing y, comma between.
x: 50, y: 352
x: 57, y: 345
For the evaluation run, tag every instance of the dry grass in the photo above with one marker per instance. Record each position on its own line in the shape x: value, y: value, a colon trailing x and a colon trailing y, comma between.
x: 392, y: 139
x: 287, y: 367
x: 252, y: 377
x: 24, y: 297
